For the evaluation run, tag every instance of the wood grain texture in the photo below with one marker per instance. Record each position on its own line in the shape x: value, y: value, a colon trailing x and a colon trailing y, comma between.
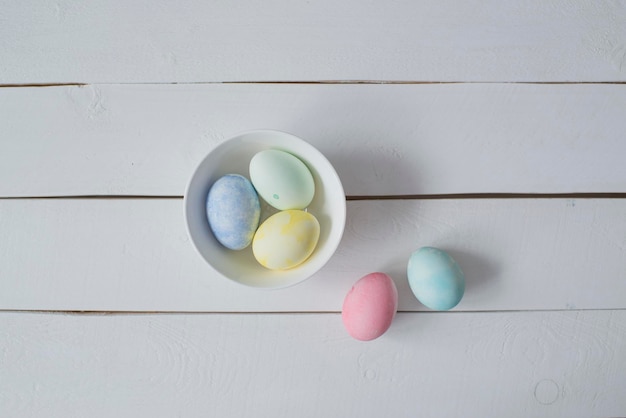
x: 134, y: 255
x: 382, y: 139
x: 552, y: 269
x: 539, y: 364
x: 164, y: 41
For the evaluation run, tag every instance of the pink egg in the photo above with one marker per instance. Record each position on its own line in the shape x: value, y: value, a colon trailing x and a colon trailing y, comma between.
x: 370, y: 306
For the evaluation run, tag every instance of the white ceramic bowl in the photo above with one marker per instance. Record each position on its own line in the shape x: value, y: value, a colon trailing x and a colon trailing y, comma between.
x: 233, y: 156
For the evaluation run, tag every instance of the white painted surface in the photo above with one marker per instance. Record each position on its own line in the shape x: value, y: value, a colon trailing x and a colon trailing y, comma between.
x: 144, y: 139
x: 434, y: 40
x: 134, y: 255
x: 519, y: 364
x: 382, y: 139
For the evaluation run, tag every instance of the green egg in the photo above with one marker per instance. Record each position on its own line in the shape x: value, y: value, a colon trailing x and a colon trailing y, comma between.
x: 282, y: 179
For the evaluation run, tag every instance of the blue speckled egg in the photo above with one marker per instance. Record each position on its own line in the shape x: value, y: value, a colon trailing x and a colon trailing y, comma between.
x: 435, y: 278
x: 233, y: 211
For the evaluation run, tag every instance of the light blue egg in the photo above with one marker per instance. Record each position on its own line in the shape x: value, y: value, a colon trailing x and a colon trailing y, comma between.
x: 233, y: 211
x: 435, y: 278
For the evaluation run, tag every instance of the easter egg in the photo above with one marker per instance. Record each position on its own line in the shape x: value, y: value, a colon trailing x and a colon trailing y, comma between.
x: 233, y: 211
x: 282, y: 179
x: 435, y: 278
x: 286, y: 239
x: 370, y: 306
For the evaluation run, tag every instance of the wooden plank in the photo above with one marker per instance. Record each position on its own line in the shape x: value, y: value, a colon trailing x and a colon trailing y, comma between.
x: 65, y: 41
x: 540, y: 364
x: 382, y: 139
x: 134, y: 255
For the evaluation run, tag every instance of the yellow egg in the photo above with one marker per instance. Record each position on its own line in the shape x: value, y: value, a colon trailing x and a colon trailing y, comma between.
x: 286, y: 239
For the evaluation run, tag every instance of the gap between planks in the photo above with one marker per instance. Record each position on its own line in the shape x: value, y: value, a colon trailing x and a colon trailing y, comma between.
x: 79, y: 84
x: 620, y: 195
x: 128, y: 313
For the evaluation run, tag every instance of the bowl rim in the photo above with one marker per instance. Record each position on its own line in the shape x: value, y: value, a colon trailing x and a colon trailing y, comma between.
x: 341, y: 218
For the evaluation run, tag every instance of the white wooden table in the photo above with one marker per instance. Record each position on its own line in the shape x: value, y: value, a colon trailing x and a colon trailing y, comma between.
x: 493, y: 130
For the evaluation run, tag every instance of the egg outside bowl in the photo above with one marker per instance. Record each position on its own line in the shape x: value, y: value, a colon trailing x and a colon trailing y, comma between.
x: 233, y: 157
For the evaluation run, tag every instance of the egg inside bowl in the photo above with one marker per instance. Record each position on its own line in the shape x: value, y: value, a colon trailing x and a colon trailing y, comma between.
x: 233, y: 156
